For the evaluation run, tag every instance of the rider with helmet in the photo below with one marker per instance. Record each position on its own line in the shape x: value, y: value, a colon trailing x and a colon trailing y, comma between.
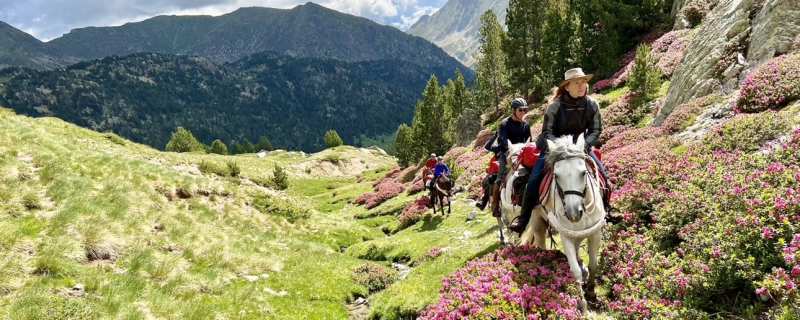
x: 571, y: 112
x: 514, y: 130
x: 438, y: 170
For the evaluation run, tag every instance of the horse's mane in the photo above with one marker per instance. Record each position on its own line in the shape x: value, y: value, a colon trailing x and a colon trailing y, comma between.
x: 513, y: 151
x: 563, y: 149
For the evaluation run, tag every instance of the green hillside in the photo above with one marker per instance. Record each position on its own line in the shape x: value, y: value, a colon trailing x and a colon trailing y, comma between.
x: 292, y: 101
x: 94, y: 226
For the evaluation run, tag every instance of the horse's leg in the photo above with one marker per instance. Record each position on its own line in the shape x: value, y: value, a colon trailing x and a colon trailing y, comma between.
x: 448, y: 204
x: 539, y: 231
x: 500, y: 228
x: 571, y: 251
x: 594, y: 247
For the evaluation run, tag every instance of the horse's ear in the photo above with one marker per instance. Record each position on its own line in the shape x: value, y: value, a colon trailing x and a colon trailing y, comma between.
x: 581, y: 142
x: 551, y: 145
x: 508, y: 144
x: 528, y: 141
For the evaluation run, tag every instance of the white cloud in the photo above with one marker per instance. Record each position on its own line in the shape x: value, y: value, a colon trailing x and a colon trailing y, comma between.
x: 366, y: 8
x: 407, y: 21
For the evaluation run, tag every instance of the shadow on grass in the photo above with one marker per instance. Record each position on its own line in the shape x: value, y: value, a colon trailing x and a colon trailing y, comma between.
x: 431, y: 224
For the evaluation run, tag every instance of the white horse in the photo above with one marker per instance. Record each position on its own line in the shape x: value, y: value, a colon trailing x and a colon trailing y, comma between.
x: 573, y: 205
x: 509, y: 211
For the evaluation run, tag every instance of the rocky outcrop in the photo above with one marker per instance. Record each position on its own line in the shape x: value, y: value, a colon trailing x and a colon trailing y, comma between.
x: 735, y: 37
x: 774, y: 29
x: 727, y: 26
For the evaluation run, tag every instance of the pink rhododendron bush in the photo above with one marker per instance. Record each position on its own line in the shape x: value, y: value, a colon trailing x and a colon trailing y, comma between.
x: 385, y: 188
x: 685, y: 114
x: 413, y: 211
x: 746, y: 132
x: 513, y: 283
x: 706, y: 233
x: 771, y: 85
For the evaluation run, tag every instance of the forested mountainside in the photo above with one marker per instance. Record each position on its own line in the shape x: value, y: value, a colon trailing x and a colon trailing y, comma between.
x: 19, y: 49
x: 308, y: 30
x: 293, y: 101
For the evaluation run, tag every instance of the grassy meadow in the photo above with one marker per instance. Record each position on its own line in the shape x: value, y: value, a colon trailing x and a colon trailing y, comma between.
x: 93, y: 226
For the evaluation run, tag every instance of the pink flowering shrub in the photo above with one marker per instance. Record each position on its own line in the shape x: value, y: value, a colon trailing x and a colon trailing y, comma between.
x: 610, y: 132
x: 429, y: 255
x: 622, y: 164
x: 669, y: 48
x: 617, y: 113
x: 415, y: 186
x: 685, y: 114
x: 746, y: 132
x: 474, y: 164
x: 455, y: 152
x: 513, y: 283
x: 703, y: 226
x: 374, y: 277
x: 781, y: 284
x: 393, y: 173
x: 796, y: 43
x: 696, y: 10
x: 384, y: 190
x: 632, y: 136
x: 483, y: 137
x: 771, y: 85
x: 413, y: 211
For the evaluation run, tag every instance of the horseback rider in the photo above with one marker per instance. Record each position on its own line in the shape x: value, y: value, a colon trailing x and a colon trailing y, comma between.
x: 514, y: 130
x: 571, y: 112
x: 430, y: 163
x: 439, y: 169
x: 491, y: 171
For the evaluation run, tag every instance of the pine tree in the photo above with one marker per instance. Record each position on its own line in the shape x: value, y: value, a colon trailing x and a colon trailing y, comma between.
x: 332, y: 139
x: 279, y: 178
x: 183, y: 141
x: 560, y: 42
x: 264, y: 144
x: 404, y: 145
x: 236, y: 148
x: 218, y: 147
x: 491, y: 70
x: 428, y: 125
x: 644, y: 81
x: 523, y: 46
x: 248, y: 146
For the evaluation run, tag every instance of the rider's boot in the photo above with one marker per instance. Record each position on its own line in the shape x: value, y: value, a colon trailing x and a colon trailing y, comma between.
x: 529, y: 200
x: 611, y: 218
x: 496, y: 200
x: 481, y: 204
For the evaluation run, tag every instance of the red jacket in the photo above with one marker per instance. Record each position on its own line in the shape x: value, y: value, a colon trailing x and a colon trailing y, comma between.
x: 494, y: 166
x: 431, y: 163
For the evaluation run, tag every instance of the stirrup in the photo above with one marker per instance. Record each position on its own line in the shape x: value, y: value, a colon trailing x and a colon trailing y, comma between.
x: 519, y: 225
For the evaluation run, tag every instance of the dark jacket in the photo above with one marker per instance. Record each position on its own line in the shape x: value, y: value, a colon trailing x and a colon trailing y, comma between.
x: 571, y: 116
x: 512, y: 131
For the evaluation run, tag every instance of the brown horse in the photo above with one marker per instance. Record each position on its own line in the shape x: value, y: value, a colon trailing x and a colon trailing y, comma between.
x: 441, y: 191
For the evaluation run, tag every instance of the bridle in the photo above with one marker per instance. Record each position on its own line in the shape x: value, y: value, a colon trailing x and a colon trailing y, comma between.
x: 582, y: 194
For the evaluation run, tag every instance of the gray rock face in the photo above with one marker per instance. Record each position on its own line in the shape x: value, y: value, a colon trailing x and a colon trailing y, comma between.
x: 774, y: 29
x: 770, y: 32
x: 455, y: 26
x: 728, y: 23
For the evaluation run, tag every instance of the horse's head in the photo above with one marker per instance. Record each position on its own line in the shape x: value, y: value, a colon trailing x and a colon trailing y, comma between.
x: 568, y: 162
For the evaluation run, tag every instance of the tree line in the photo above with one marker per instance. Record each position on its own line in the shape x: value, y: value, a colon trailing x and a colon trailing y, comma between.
x: 543, y: 39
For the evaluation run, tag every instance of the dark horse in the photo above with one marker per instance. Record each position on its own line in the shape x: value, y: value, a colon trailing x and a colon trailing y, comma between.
x: 441, y: 191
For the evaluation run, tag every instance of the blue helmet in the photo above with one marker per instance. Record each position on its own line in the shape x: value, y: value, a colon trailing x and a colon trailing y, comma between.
x: 519, y: 103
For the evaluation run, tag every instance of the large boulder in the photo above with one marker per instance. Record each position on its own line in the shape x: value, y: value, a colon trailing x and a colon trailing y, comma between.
x: 696, y: 76
x: 774, y: 29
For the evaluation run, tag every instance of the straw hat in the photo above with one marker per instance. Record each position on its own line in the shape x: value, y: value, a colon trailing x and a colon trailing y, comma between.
x: 573, y: 74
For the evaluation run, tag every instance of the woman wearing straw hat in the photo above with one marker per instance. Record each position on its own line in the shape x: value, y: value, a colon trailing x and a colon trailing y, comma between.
x: 571, y: 112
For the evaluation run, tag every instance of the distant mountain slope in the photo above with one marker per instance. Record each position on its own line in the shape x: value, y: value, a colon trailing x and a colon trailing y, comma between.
x: 20, y: 49
x: 455, y: 26
x: 308, y: 30
x: 293, y: 101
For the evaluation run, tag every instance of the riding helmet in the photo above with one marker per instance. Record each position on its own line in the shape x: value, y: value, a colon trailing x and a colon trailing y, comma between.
x: 519, y: 103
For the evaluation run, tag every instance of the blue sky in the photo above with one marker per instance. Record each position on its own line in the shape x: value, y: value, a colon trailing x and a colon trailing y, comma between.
x: 49, y: 19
